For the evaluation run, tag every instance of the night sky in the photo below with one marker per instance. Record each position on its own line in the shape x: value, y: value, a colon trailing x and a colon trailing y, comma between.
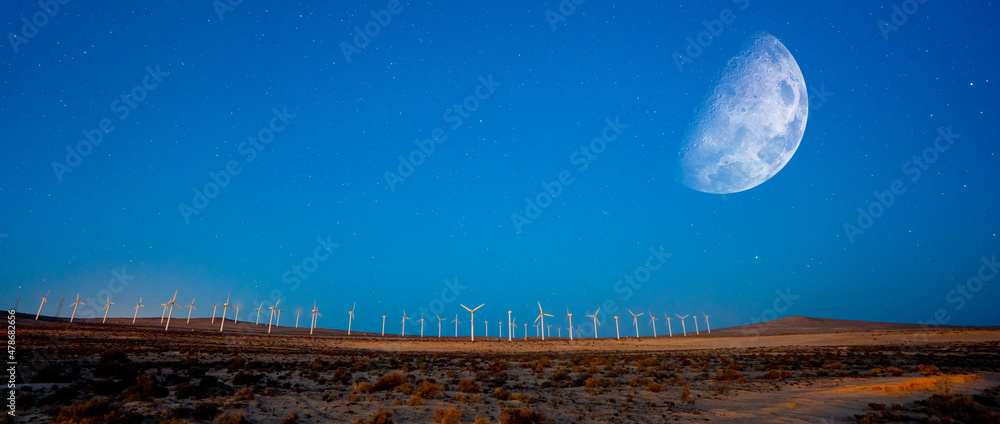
x: 269, y: 151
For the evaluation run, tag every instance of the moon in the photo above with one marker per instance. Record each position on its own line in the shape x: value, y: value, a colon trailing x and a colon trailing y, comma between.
x: 751, y: 124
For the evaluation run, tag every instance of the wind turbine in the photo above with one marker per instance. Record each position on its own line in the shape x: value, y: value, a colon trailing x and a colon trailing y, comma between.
x: 258, y: 312
x: 236, y: 316
x: 164, y: 314
x: 618, y: 334
x: 549, y: 327
x: 541, y: 316
x: 39, y: 306
x: 277, y: 319
x: 190, y: 308
x: 570, y: 316
x: 439, y: 324
x: 635, y: 321
x: 500, y: 329
x: 172, y: 303
x: 487, y: 325
x: 578, y: 332
x: 403, y: 334
x: 652, y: 320
x: 472, y: 322
x: 683, y: 327
x: 421, y: 325
x: 559, y: 332
x: 224, y: 308
x: 75, y: 305
x: 696, y: 332
x: 525, y: 325
x: 596, y: 322
x: 137, y: 306
x: 215, y: 308
x: 315, y: 315
x: 298, y: 311
x: 107, y: 308
x: 513, y: 324
x: 272, y: 308
x: 669, y: 328
x: 456, y: 321
x: 351, y: 318
x: 707, y: 325
x: 383, y: 325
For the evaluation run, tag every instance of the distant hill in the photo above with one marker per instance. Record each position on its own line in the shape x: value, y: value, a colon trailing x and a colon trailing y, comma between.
x: 806, y: 325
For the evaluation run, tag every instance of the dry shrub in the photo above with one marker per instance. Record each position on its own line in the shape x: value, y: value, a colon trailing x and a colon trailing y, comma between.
x: 415, y: 400
x: 362, y: 387
x: 232, y: 418
x: 405, y: 388
x: 647, y: 362
x: 451, y: 415
x: 481, y: 420
x: 381, y: 417
x: 929, y: 370
x: 894, y: 371
x: 427, y: 390
x: 389, y: 382
x: 728, y: 375
x: 592, y: 382
x: 837, y: 366
x: 685, y: 394
x: 500, y: 394
x: 468, y: 385
x: 292, y: 418
x: 499, y: 365
x: 542, y: 364
x: 654, y: 387
x: 245, y: 393
x: 520, y: 416
x: 523, y: 398
x: 353, y: 399
x: 144, y: 388
x: 777, y: 374
x: 93, y: 411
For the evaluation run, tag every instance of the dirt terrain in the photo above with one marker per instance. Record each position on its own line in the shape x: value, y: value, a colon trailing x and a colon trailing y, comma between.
x: 790, y: 370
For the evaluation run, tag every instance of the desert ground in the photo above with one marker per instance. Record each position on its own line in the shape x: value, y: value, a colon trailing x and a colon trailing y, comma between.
x: 789, y: 370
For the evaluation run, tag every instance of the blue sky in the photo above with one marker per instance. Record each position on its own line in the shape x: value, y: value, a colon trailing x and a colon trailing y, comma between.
x: 528, y: 95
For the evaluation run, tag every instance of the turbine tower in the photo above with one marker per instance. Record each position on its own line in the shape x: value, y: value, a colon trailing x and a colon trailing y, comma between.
x: 315, y: 315
x: 472, y: 321
x: 541, y: 318
x: 39, y: 306
x: 75, y: 305
x: 500, y: 329
x: 456, y: 321
x: 487, y: 325
x: 403, y: 334
x: 635, y: 321
x: 107, y: 308
x: 439, y: 324
x: 215, y: 308
x: 683, y: 327
x: 652, y: 320
x: 172, y: 303
x: 383, y: 325
x: 570, y: 316
x: 137, y: 306
x: 272, y: 308
x: 258, y: 312
x: 164, y: 314
x: 350, y: 319
x: 696, y: 332
x: 618, y: 334
x: 421, y: 320
x: 236, y: 316
x: 225, y: 306
x: 298, y: 311
x: 190, y: 308
x: 669, y: 328
x: 596, y: 322
x: 509, y: 328
x: 707, y: 325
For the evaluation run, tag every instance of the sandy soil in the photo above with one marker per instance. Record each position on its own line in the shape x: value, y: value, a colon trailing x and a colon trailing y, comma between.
x: 772, y: 372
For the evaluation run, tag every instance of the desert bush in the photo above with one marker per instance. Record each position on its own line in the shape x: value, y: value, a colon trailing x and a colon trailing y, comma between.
x: 837, y: 366
x: 205, y: 411
x: 777, y: 374
x: 144, y: 388
x: 451, y: 415
x: 929, y: 370
x: 247, y: 378
x: 957, y: 408
x: 245, y: 393
x: 389, y: 382
x: 647, y: 362
x: 415, y: 400
x: 427, y: 389
x: 468, y: 386
x: 362, y: 387
x: 894, y: 371
x: 499, y: 365
x: 654, y: 387
x: 542, y: 364
x: 734, y: 367
x: 405, y: 388
x: 232, y: 418
x: 685, y: 394
x: 500, y: 394
x: 481, y: 420
x: 94, y: 411
x: 728, y: 375
x: 292, y: 418
x: 381, y: 417
x: 353, y: 399
x: 520, y: 416
x: 559, y: 375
